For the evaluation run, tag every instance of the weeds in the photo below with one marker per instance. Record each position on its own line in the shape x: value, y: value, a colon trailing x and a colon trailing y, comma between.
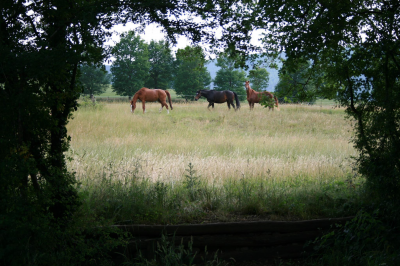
x: 191, y: 182
x: 167, y: 253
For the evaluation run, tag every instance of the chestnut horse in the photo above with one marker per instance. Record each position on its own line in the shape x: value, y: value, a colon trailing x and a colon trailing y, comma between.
x: 255, y: 97
x: 219, y: 97
x: 145, y: 94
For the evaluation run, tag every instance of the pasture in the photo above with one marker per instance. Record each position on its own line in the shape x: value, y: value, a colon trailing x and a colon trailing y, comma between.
x: 195, y: 165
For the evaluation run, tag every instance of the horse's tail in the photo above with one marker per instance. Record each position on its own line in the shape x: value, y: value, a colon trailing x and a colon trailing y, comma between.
x: 276, y: 102
x: 237, y: 100
x: 169, y: 99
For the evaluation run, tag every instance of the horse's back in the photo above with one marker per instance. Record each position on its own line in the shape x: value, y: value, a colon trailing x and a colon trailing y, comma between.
x: 151, y: 95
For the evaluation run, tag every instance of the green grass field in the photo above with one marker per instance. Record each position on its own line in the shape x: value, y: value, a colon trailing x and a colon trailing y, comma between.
x: 194, y: 164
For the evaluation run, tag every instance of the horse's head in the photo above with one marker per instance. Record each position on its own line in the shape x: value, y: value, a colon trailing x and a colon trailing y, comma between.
x: 198, y: 95
x: 133, y: 106
x: 247, y: 84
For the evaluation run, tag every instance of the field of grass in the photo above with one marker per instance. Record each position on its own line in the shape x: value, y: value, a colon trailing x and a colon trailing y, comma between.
x: 199, y: 165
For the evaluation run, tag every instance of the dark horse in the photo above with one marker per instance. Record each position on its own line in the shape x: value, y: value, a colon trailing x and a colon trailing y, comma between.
x: 148, y: 95
x: 256, y: 97
x: 219, y: 97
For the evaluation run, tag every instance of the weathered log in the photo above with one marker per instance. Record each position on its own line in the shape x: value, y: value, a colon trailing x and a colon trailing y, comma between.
x: 231, y: 228
x: 235, y: 241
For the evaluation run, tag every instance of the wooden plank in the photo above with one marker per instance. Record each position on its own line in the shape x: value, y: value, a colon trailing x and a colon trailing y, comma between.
x: 235, y: 241
x: 232, y: 228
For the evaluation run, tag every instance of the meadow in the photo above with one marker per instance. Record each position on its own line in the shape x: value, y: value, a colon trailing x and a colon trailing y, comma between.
x: 195, y: 165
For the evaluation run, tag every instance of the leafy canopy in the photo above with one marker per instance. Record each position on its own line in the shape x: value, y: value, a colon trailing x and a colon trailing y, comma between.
x: 356, y: 45
x: 42, y: 45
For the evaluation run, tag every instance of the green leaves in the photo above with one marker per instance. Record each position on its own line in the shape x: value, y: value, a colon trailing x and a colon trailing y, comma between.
x: 229, y: 77
x: 131, y: 67
x: 191, y: 74
x: 161, y: 65
x: 94, y: 80
x: 352, y: 47
x: 259, y: 78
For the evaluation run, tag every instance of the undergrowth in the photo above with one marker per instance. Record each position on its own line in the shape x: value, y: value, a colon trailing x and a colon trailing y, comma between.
x: 368, y: 239
x: 136, y: 199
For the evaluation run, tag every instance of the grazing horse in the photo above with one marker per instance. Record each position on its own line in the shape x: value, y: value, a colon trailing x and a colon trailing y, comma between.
x: 255, y: 97
x: 219, y: 97
x: 145, y: 94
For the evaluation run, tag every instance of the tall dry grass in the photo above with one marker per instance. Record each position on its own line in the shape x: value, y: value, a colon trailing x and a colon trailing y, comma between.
x: 312, y: 142
x: 194, y: 164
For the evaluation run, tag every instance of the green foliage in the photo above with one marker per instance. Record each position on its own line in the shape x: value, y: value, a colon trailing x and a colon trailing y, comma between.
x: 350, y: 44
x: 131, y: 66
x: 228, y: 77
x: 89, y: 103
x: 42, y: 45
x: 161, y: 65
x: 167, y: 253
x: 94, y: 80
x: 192, y: 181
x: 191, y: 74
x: 267, y: 101
x: 365, y: 240
x: 259, y: 78
x: 355, y: 45
x: 296, y: 84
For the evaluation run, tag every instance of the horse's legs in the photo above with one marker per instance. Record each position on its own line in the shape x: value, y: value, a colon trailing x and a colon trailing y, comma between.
x: 232, y: 103
x: 208, y: 107
x: 144, y: 107
x: 166, y: 106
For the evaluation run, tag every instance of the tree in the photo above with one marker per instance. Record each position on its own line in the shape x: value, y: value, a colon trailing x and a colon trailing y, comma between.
x: 131, y: 66
x: 295, y: 85
x: 228, y: 77
x: 42, y: 45
x: 191, y: 74
x: 94, y: 80
x: 259, y: 78
x: 356, y: 44
x: 161, y: 65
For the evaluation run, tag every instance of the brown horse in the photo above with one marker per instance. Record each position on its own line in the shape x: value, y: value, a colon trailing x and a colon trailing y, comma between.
x: 145, y: 94
x: 255, y: 97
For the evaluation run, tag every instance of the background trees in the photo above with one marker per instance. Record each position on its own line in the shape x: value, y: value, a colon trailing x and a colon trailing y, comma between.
x: 259, y: 78
x: 191, y: 74
x: 94, y: 80
x: 161, y: 65
x: 296, y: 85
x: 131, y: 66
x: 229, y: 77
